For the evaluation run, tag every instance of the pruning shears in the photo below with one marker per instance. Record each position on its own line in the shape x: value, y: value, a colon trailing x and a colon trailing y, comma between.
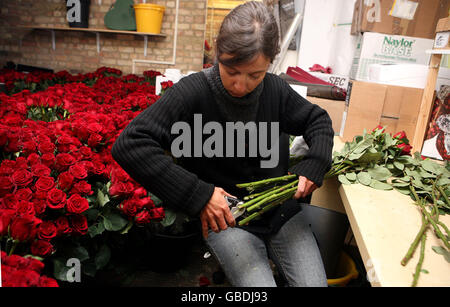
x: 234, y: 204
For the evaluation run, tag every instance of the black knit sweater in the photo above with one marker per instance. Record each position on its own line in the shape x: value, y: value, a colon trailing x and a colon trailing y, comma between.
x: 188, y: 184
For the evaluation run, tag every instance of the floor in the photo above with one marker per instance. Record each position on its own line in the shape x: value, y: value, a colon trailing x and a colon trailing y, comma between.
x: 204, y: 270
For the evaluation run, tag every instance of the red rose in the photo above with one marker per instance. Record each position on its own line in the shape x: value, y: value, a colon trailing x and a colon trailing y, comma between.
x: 406, y: 149
x: 56, y: 199
x: 28, y: 147
x: 9, y: 201
x: 86, y: 152
x: 94, y: 140
x: 157, y: 213
x: 63, y: 161
x: 25, y: 208
x: 24, y: 194
x: 48, y: 159
x: 77, y: 204
x: 45, y: 184
x: 39, y: 206
x: 400, y: 135
x: 379, y: 127
x: 39, y: 170
x: 147, y: 202
x: 46, y: 148
x: 140, y: 192
x: 121, y: 189
x: 6, y: 185
x: 47, y: 282
x: 41, y: 248
x: 78, y: 171
x: 130, y: 207
x: 82, y: 188
x: 5, y: 219
x: 79, y: 224
x: 65, y: 181
x: 98, y: 168
x: 23, y: 228
x: 143, y: 217
x: 62, y: 225
x: 22, y: 178
x: 34, y: 265
x: 46, y: 230
x: 33, y: 159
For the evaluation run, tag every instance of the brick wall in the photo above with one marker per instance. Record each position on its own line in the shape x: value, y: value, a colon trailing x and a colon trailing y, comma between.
x: 77, y: 51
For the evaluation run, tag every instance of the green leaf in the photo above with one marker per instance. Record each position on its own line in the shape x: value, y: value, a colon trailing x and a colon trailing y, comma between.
x: 60, y: 269
x: 156, y: 200
x: 351, y: 176
x: 364, y: 178
x: 96, y: 229
x: 126, y: 229
x: 79, y: 252
x: 432, y: 167
x: 370, y: 157
x: 114, y: 221
x: 424, y: 271
x: 102, y: 199
x: 342, y: 179
x: 380, y: 185
x: 405, y: 191
x: 399, y: 165
x: 379, y: 173
x: 169, y: 218
x: 103, y: 256
x: 400, y: 184
x: 442, y: 251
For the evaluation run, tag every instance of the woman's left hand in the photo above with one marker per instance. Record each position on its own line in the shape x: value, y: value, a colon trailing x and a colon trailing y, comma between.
x: 304, y: 188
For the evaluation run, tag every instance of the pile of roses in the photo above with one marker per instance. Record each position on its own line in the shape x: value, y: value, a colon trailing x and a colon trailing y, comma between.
x: 61, y: 192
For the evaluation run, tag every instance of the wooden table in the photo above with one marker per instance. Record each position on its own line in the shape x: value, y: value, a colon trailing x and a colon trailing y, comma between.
x: 385, y: 224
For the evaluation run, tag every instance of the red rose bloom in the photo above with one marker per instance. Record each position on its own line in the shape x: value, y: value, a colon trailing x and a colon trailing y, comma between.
x: 47, y: 282
x: 157, y: 213
x: 46, y: 148
x: 65, y: 181
x: 40, y: 170
x: 406, y: 149
x: 143, y: 217
x: 46, y: 230
x: 5, y: 219
x: 23, y: 228
x: 9, y: 201
x: 79, y: 224
x: 41, y: 248
x: 25, y: 208
x: 24, y: 194
x: 78, y: 171
x: 63, y: 161
x: 62, y: 225
x: 22, y: 178
x: 82, y: 188
x: 48, y: 159
x: 45, y: 184
x: 6, y: 185
x: 56, y: 199
x: 94, y: 140
x: 77, y: 204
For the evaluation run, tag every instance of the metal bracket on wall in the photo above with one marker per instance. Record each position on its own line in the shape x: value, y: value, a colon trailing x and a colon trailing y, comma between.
x: 53, y: 40
x: 145, y: 44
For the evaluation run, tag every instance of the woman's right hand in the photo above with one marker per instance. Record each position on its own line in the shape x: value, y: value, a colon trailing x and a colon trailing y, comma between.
x: 216, y: 214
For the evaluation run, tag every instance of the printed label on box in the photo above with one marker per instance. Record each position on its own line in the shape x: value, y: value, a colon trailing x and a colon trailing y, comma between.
x: 404, y: 9
x: 442, y: 39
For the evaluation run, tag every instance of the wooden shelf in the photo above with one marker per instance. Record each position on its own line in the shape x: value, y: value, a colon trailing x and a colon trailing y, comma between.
x: 96, y: 31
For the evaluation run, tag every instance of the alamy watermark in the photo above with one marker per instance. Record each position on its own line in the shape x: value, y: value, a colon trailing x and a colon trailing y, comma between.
x: 190, y: 143
x: 73, y: 274
x: 74, y: 13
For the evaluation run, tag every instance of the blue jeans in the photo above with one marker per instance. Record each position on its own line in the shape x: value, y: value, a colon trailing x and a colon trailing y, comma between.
x: 244, y: 257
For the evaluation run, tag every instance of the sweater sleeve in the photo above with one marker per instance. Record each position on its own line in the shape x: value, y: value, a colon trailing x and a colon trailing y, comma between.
x: 140, y: 151
x: 300, y: 117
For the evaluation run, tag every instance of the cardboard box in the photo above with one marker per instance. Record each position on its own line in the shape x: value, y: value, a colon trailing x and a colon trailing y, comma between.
x: 376, y: 48
x: 334, y: 108
x: 372, y: 104
x: 442, y: 39
x: 415, y: 18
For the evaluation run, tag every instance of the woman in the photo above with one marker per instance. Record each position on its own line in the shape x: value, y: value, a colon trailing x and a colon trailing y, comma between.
x: 237, y: 89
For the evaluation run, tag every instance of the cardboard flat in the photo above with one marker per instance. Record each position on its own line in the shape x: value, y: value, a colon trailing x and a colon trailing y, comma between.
x: 415, y: 18
x: 372, y: 104
x: 334, y: 108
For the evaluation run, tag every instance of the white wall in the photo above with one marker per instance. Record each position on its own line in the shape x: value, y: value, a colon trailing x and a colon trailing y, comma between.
x: 325, y: 37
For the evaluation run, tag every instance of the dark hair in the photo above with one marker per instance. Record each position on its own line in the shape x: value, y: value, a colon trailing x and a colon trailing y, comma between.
x: 247, y: 30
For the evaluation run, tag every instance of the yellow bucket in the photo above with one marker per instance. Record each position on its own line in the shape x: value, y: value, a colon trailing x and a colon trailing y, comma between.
x: 347, y: 269
x: 149, y: 17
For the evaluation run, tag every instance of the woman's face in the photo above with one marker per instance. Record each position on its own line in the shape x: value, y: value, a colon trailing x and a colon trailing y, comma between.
x: 241, y: 79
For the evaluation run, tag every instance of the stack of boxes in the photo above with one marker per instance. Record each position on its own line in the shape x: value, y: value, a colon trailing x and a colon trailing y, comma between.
x: 390, y: 65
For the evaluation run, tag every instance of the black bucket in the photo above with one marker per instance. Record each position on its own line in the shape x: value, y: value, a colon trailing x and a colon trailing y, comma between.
x: 78, y: 19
